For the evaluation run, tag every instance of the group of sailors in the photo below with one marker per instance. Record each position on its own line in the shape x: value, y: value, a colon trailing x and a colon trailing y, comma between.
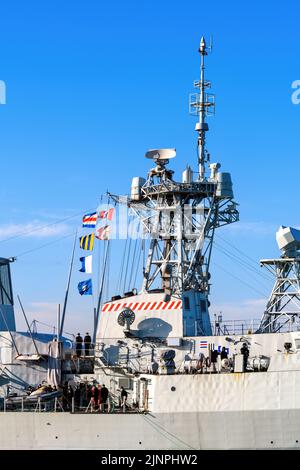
x: 224, y: 355
x: 86, y: 342
x: 95, y: 397
x: 209, y: 364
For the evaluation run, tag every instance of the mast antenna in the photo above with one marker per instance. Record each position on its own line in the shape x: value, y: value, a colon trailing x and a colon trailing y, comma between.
x: 203, y: 105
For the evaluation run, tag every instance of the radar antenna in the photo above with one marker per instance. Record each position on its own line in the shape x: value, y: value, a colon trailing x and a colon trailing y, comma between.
x: 161, y: 157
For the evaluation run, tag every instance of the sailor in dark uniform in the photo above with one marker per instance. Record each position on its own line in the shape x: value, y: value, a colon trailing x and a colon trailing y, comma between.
x: 79, y: 341
x: 87, y: 344
x: 245, y: 352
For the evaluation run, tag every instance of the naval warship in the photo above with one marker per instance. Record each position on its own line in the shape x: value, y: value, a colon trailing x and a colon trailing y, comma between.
x: 191, y: 383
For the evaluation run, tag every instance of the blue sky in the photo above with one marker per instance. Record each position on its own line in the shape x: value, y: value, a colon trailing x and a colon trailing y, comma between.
x: 92, y: 85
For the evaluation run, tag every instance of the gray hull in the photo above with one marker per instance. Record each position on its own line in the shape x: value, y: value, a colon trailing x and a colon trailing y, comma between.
x: 186, y: 431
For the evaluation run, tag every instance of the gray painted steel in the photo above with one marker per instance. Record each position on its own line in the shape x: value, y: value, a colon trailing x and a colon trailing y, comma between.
x: 276, y: 429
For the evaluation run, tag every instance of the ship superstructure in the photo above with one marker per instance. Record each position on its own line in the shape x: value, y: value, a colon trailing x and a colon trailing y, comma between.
x: 191, y: 384
x: 180, y: 218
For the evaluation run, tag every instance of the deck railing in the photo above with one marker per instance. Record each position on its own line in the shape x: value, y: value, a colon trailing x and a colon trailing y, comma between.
x: 235, y: 327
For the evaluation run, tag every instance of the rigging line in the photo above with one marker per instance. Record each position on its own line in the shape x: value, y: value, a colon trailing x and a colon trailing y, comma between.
x: 161, y: 430
x: 127, y: 264
x: 43, y: 246
x: 106, y: 287
x: 108, y: 271
x: 102, y: 256
x: 132, y: 264
x: 245, y: 267
x: 238, y: 250
x: 250, y: 271
x: 122, y: 268
x: 99, y: 269
x: 104, y: 271
x: 240, y: 280
x: 245, y: 261
x: 241, y: 261
x: 41, y: 227
x: 105, y: 274
x: 144, y: 254
x: 137, y: 266
x: 264, y: 286
x: 50, y: 326
x: 108, y: 263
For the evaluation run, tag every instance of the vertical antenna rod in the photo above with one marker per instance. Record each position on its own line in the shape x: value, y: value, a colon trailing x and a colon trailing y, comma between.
x: 203, y: 127
x: 202, y: 103
x: 61, y: 327
x: 58, y: 323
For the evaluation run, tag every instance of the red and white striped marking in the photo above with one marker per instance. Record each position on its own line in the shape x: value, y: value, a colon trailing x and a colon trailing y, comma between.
x: 143, y: 306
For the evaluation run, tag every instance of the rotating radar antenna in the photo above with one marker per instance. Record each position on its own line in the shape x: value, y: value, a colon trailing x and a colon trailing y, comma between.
x: 126, y: 318
x: 161, y: 158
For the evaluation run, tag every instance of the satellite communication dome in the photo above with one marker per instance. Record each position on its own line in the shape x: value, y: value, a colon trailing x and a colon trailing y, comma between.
x: 288, y: 240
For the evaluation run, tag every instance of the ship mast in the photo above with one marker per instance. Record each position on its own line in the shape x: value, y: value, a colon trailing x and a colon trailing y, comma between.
x: 283, y: 307
x: 180, y: 218
x: 205, y: 104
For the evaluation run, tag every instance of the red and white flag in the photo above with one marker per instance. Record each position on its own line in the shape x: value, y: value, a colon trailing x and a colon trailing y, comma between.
x: 102, y: 233
x: 89, y: 220
x: 107, y: 214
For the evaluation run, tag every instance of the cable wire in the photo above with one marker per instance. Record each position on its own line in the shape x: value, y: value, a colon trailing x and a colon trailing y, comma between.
x: 43, y: 246
x: 240, y: 280
x: 42, y: 227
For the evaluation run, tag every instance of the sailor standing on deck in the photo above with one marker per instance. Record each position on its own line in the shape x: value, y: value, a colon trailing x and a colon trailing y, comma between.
x: 124, y: 396
x: 95, y: 397
x: 104, y: 397
x: 87, y: 344
x: 79, y: 341
x: 224, y: 353
x: 245, y: 353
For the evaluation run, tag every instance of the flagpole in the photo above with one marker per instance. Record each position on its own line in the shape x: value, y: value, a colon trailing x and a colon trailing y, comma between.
x: 67, y: 289
x: 101, y: 292
x: 94, y: 333
x: 58, y: 323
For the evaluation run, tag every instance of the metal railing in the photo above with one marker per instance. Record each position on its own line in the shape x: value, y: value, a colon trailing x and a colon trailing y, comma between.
x: 67, y: 404
x: 234, y: 327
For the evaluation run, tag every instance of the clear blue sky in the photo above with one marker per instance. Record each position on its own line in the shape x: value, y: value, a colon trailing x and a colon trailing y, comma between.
x: 92, y: 85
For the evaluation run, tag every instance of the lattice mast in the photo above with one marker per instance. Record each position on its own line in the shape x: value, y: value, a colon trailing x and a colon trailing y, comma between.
x: 180, y: 218
x: 283, y: 307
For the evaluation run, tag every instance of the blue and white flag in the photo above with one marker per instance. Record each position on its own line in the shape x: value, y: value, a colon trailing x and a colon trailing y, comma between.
x: 86, y: 264
x: 220, y: 349
x: 85, y: 287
